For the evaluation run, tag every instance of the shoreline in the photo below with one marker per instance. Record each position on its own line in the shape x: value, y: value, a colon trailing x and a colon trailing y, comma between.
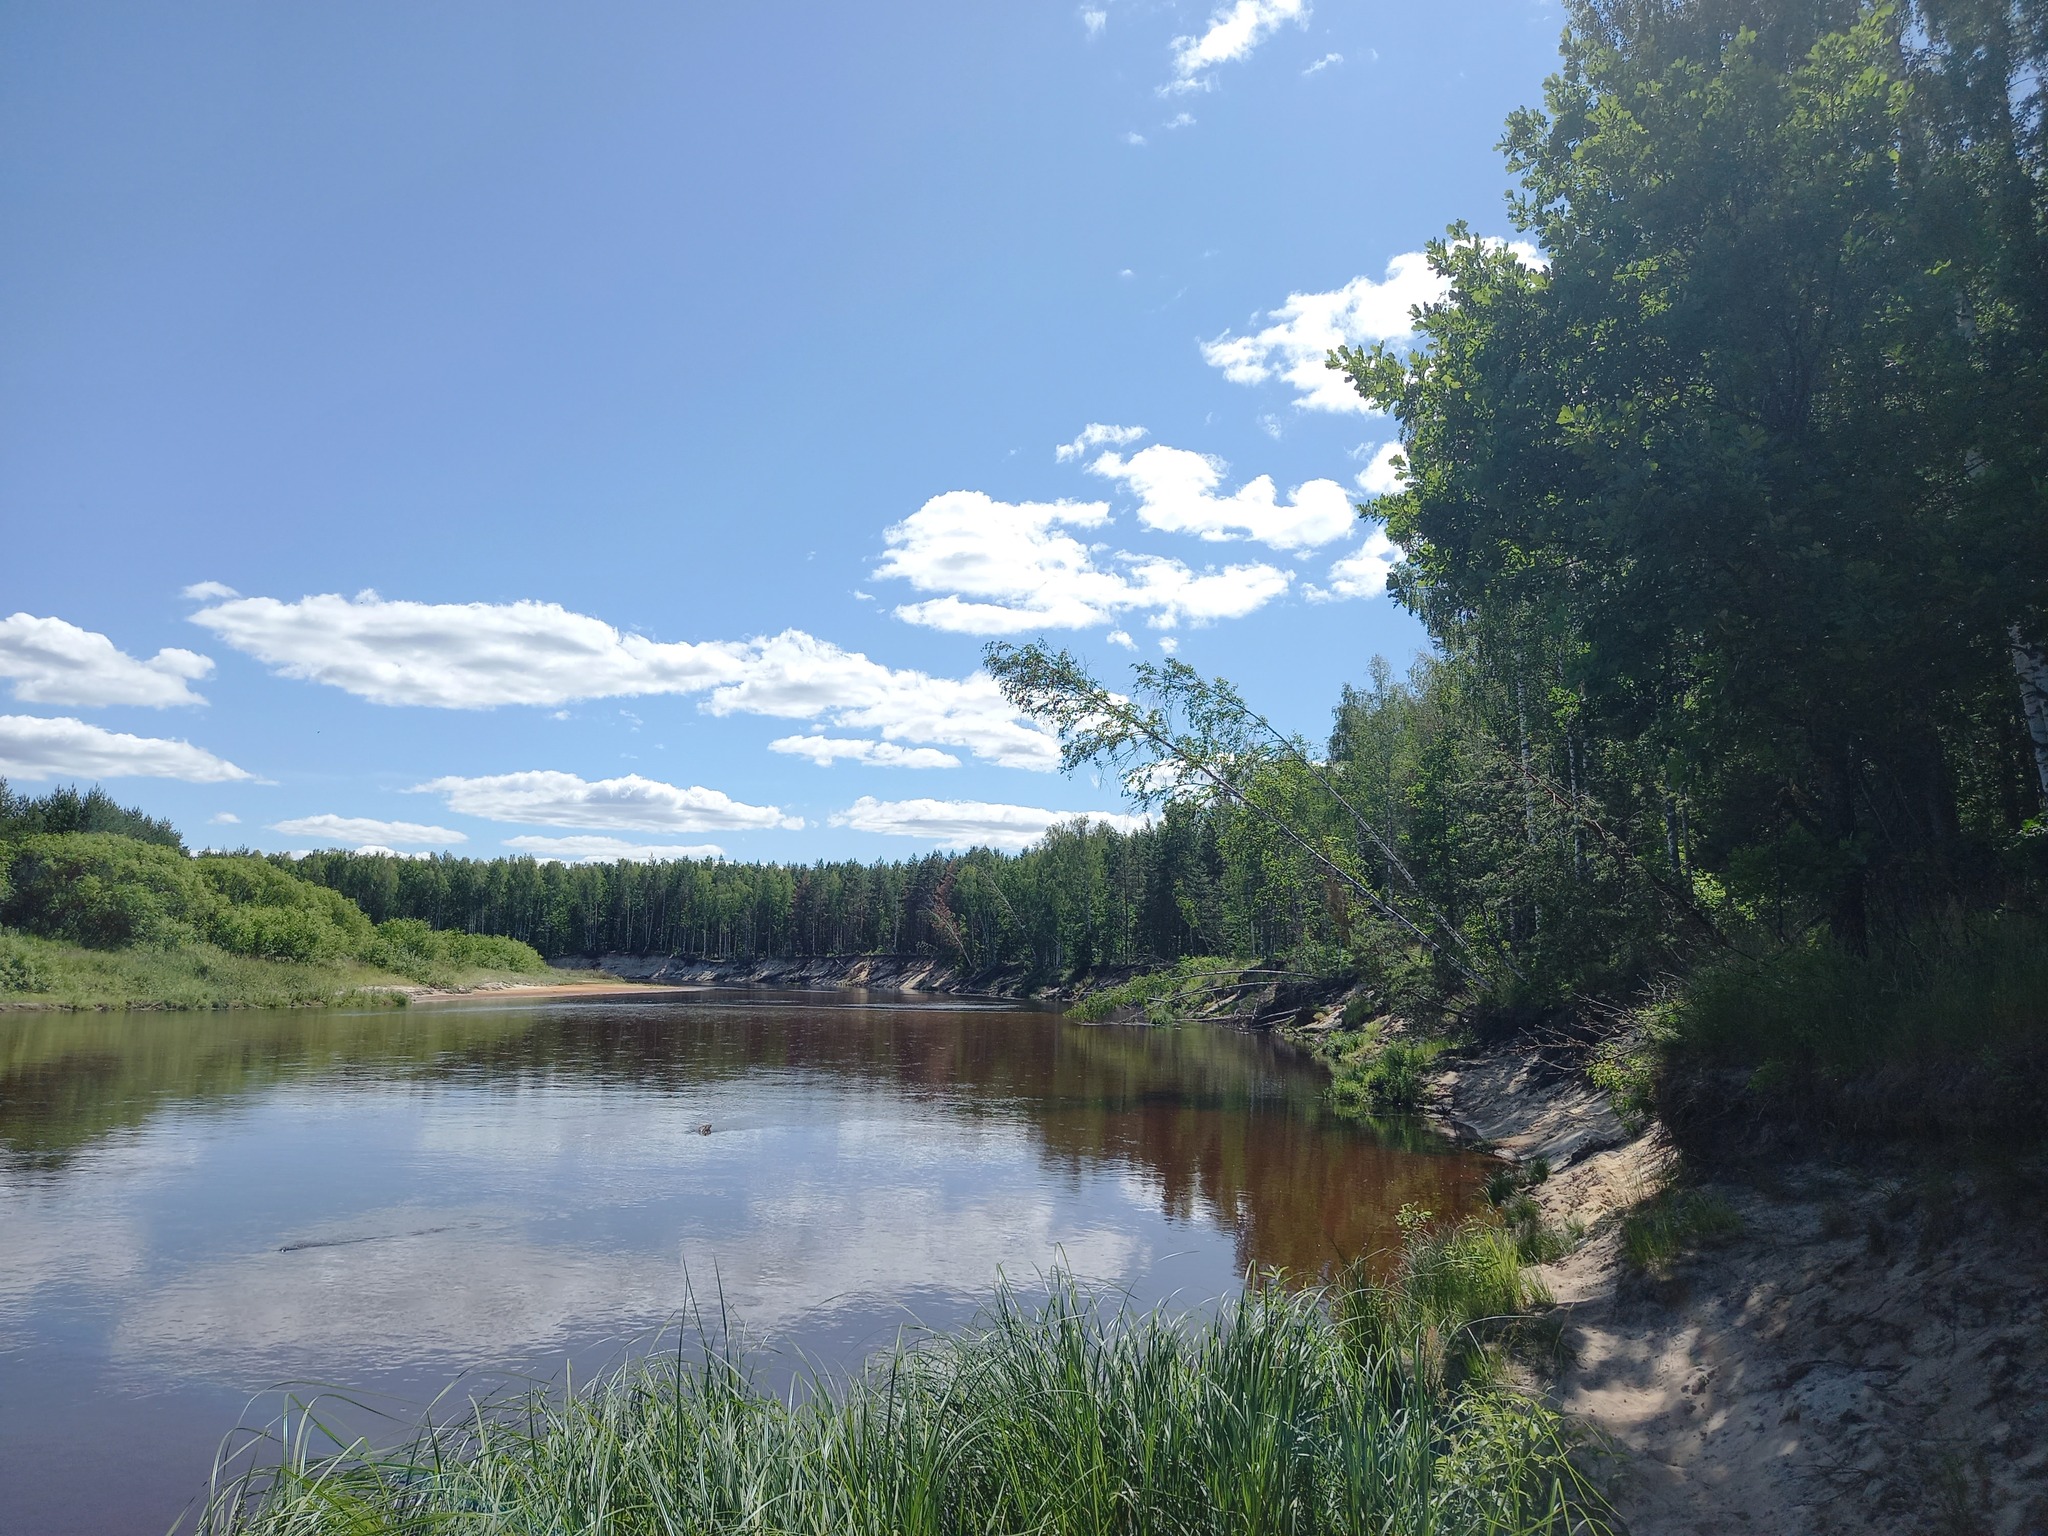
x: 1867, y: 1352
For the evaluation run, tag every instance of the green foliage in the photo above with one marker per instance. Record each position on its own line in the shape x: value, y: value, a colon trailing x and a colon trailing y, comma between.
x: 261, y: 910
x: 19, y: 971
x: 1169, y: 996
x: 64, y: 809
x: 210, y: 923
x: 1781, y: 314
x: 48, y: 973
x: 1946, y: 1034
x: 1268, y: 1420
x: 412, y: 949
x: 103, y: 890
x: 1380, y: 1076
x: 1673, y: 1222
x: 1453, y: 1294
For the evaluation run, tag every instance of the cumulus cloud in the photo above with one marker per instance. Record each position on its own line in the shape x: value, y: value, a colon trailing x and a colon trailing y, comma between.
x: 1096, y: 435
x: 35, y: 748
x: 1327, y: 61
x: 52, y: 662
x: 1093, y: 21
x: 629, y: 804
x: 366, y: 831
x: 1007, y: 567
x: 826, y: 750
x: 1309, y: 326
x: 207, y: 591
x: 1382, y: 473
x: 589, y: 849
x: 965, y: 823
x: 223, y: 819
x: 1177, y: 493
x: 1231, y: 35
x: 794, y: 676
x: 480, y: 655
x: 461, y: 655
x: 1363, y: 572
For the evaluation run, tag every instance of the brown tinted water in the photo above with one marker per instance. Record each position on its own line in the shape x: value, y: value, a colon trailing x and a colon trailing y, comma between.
x: 195, y: 1209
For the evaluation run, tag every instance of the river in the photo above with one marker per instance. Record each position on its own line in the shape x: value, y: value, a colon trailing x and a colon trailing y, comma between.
x: 196, y: 1210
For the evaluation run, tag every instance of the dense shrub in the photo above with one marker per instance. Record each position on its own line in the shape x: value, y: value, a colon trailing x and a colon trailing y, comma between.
x: 264, y: 911
x: 109, y: 891
x: 104, y: 891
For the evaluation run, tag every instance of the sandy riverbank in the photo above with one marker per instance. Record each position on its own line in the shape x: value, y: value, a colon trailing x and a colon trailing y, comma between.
x: 1868, y: 1354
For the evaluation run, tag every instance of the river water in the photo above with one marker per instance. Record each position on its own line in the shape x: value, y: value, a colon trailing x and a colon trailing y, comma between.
x: 196, y: 1210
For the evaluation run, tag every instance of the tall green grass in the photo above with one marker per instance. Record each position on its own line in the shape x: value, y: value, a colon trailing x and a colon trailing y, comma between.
x: 1943, y: 1032
x: 1280, y: 1416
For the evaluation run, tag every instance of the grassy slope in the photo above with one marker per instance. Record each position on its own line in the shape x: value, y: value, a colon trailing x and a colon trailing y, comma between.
x: 61, y: 975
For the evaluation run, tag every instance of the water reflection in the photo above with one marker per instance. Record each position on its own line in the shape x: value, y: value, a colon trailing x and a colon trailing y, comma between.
x: 194, y: 1207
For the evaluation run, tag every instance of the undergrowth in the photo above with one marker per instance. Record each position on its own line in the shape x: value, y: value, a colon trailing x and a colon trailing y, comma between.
x: 1374, y: 1073
x: 1941, y: 1033
x: 44, y: 973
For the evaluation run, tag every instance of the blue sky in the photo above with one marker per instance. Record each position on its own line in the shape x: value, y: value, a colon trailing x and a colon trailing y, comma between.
x: 573, y: 427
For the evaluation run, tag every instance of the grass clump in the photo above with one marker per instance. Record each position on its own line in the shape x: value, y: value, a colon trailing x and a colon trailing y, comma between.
x: 1673, y: 1222
x: 1942, y: 1033
x: 1276, y: 1416
x: 1456, y: 1295
x: 1374, y: 1074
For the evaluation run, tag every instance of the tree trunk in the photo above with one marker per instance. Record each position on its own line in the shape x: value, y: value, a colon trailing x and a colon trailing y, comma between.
x: 2030, y: 664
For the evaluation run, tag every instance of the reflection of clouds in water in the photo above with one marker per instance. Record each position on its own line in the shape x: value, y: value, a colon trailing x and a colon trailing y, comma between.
x: 87, y: 1228
x: 464, y: 1295
x: 578, y: 1213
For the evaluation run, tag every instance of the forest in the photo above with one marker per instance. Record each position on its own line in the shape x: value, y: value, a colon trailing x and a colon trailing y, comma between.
x: 1727, y: 516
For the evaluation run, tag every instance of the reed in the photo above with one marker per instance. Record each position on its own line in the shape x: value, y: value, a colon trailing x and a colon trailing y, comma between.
x: 1067, y: 1415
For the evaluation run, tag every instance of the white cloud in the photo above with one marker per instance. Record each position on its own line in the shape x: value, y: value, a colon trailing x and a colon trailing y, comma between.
x: 1179, y: 120
x: 629, y: 804
x: 52, y: 662
x: 1094, y: 21
x: 207, y: 591
x: 461, y: 655
x: 34, y: 748
x: 1121, y: 637
x: 223, y: 819
x: 825, y: 750
x: 479, y: 655
x: 965, y: 823
x: 1310, y: 325
x: 1363, y: 572
x: 1232, y: 35
x: 363, y: 831
x: 1006, y: 567
x: 1381, y: 475
x: 1176, y: 490
x: 793, y: 676
x: 1327, y: 61
x: 606, y: 850
x: 1098, y: 434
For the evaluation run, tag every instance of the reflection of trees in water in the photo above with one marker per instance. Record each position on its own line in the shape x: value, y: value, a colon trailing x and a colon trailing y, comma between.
x: 1224, y: 1125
